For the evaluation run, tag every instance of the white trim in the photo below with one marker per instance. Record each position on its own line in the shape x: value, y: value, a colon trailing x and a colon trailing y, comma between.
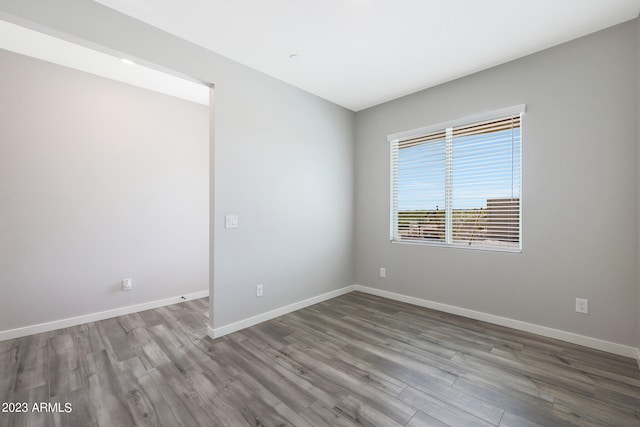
x: 495, y: 114
x: 595, y: 343
x: 251, y: 321
x: 393, y: 223
x: 73, y: 321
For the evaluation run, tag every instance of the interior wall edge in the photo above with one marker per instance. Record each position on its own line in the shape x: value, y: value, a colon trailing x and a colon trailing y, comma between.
x: 570, y: 337
x: 93, y: 317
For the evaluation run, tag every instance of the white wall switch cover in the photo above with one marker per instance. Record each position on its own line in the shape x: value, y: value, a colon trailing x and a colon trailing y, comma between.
x: 582, y: 305
x: 127, y: 285
x: 231, y: 221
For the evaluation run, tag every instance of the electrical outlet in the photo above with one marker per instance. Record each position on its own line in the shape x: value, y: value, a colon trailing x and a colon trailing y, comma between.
x: 582, y: 305
x: 259, y: 290
x: 383, y: 272
x: 127, y: 285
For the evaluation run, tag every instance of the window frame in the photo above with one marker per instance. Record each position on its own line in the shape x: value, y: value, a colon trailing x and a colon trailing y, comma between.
x: 444, y: 126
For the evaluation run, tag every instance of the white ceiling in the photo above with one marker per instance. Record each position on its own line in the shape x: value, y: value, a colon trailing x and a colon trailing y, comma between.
x: 359, y: 53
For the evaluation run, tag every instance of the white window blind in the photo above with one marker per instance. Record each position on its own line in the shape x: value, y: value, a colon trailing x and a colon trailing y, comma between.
x: 459, y: 185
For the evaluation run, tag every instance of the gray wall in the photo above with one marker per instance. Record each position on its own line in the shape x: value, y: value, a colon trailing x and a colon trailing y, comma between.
x: 99, y: 181
x: 638, y: 173
x: 283, y: 163
x: 283, y: 160
x: 580, y: 200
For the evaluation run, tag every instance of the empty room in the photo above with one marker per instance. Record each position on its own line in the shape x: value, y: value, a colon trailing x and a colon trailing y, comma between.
x: 331, y: 213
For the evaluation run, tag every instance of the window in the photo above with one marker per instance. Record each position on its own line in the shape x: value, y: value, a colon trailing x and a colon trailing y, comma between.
x: 459, y: 183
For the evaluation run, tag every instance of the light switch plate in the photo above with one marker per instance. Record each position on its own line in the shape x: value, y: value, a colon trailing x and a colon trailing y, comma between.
x: 231, y: 221
x: 582, y: 305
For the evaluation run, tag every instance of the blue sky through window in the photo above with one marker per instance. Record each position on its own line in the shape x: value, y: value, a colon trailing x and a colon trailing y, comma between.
x: 485, y: 166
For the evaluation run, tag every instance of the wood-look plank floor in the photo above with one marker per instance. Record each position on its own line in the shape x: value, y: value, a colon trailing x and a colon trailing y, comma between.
x: 356, y: 360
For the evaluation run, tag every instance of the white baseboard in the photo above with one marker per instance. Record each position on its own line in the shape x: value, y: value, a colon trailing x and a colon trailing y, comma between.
x: 73, y: 321
x: 251, y: 321
x: 595, y: 343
